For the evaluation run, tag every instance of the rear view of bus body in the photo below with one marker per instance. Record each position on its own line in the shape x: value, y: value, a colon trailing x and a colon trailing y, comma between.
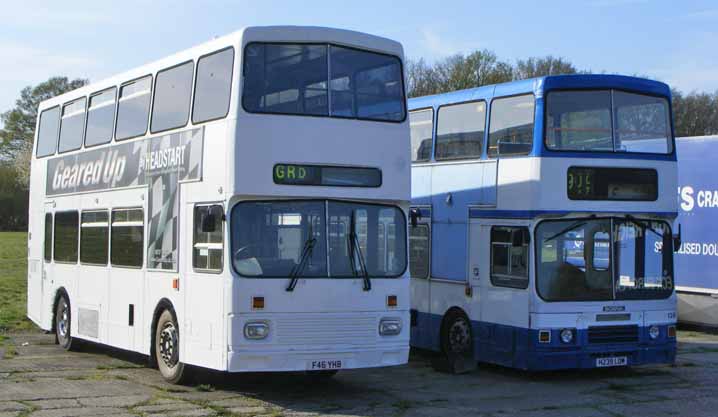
x: 544, y: 235
x: 239, y: 206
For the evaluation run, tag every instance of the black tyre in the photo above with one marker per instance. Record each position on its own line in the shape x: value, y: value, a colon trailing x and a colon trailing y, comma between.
x: 63, y: 324
x: 167, y: 350
x: 457, y: 342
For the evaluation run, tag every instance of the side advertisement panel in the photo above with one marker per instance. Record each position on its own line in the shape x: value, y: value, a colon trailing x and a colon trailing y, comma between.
x: 159, y: 163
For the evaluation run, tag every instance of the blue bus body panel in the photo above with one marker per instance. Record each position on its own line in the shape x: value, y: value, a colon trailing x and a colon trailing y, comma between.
x: 696, y: 263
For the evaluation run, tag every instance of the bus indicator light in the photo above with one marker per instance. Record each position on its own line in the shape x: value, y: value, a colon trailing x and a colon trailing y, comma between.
x: 392, y: 301
x: 175, y: 284
x: 544, y: 336
x: 257, y: 303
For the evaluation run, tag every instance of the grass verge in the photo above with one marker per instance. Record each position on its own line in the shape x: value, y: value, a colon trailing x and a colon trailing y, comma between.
x: 13, y: 282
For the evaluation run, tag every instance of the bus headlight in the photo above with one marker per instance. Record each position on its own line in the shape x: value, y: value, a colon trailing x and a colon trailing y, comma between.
x: 389, y: 327
x: 256, y: 330
x: 567, y: 336
x: 654, y: 332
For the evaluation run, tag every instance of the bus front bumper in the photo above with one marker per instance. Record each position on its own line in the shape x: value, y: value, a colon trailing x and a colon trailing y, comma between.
x: 605, y: 356
x: 317, y: 360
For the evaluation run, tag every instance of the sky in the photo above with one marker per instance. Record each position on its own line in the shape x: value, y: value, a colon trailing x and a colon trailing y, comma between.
x: 676, y: 42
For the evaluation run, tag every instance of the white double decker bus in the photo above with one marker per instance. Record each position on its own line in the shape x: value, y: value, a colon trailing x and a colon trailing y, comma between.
x: 239, y: 206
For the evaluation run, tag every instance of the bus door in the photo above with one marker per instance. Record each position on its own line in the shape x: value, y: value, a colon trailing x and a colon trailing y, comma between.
x: 500, y: 251
x: 38, y: 273
x: 202, y: 267
x: 420, y: 267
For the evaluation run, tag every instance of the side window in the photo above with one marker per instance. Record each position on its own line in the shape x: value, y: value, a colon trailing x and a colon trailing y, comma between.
x: 419, y: 253
x: 133, y: 109
x: 65, y: 247
x: 94, y: 236
x: 509, y: 257
x: 421, y: 125
x: 47, y: 249
x: 100, y: 117
x: 460, y: 131
x: 173, y: 91
x: 208, y: 242
x: 47, y: 135
x: 511, y: 128
x: 127, y: 238
x: 72, y: 127
x: 213, y: 86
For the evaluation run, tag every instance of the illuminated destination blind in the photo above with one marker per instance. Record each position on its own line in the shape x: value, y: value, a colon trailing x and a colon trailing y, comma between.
x: 320, y: 175
x: 592, y: 183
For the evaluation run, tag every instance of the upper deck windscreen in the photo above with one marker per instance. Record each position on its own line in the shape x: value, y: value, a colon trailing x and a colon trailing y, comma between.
x: 322, y: 80
x: 608, y: 121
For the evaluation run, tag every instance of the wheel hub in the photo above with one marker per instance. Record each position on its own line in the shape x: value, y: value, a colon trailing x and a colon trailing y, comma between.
x: 459, y: 336
x: 168, y: 345
x: 62, y: 322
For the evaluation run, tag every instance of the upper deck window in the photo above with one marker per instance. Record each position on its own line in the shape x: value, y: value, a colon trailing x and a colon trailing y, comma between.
x: 460, y: 131
x: 72, y: 126
x: 511, y: 128
x: 100, y: 117
x: 134, y: 108
x: 297, y: 79
x: 47, y: 135
x: 421, y: 123
x: 173, y: 91
x: 213, y: 85
x: 584, y: 121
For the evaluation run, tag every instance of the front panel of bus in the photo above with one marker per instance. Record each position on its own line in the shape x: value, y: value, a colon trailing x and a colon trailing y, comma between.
x: 602, y: 250
x: 317, y: 221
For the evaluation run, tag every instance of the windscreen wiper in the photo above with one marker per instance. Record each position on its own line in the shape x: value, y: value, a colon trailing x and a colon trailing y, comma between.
x: 298, y: 268
x: 642, y: 224
x: 566, y: 230
x: 354, y: 239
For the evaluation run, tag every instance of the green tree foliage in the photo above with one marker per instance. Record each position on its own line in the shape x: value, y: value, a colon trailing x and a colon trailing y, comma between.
x: 695, y: 114
x: 16, y: 137
x: 542, y: 66
x: 13, y: 200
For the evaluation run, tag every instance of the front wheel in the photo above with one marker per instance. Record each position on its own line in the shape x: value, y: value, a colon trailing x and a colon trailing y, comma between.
x: 457, y: 343
x: 167, y: 349
x: 63, y: 324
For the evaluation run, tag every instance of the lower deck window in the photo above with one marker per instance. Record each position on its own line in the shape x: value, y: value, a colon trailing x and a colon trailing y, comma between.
x: 509, y: 257
x: 208, y: 240
x: 94, y: 236
x: 419, y: 251
x: 65, y: 247
x: 127, y: 241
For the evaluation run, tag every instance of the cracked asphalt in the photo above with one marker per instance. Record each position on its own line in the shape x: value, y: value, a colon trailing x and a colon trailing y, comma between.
x: 39, y: 379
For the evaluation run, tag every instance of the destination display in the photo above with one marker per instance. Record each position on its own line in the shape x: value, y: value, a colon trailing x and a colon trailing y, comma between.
x: 592, y: 183
x: 321, y: 175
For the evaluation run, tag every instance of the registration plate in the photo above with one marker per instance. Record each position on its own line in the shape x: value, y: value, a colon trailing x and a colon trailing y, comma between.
x: 611, y: 361
x: 324, y: 365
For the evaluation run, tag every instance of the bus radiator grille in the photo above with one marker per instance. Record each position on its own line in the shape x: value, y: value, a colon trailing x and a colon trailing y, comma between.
x: 322, y: 330
x: 613, y: 334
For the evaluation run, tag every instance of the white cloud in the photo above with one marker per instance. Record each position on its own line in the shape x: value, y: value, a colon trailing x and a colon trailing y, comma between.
x: 438, y: 46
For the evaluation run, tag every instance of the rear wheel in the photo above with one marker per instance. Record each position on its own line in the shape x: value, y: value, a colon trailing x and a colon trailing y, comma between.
x: 167, y: 349
x: 63, y: 324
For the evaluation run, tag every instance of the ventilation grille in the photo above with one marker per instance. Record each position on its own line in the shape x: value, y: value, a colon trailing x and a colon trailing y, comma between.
x: 613, y: 334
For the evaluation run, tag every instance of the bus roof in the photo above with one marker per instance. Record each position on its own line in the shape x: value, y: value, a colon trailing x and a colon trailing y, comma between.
x: 539, y: 85
x: 302, y: 34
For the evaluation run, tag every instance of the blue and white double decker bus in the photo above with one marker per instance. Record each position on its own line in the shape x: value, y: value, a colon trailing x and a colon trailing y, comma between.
x: 541, y: 226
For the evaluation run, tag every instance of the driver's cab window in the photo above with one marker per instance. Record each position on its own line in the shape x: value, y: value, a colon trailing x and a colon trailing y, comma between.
x: 509, y: 257
x: 208, y: 241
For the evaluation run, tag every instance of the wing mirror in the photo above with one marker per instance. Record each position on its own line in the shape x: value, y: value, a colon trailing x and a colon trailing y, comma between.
x: 414, y: 216
x: 677, y: 239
